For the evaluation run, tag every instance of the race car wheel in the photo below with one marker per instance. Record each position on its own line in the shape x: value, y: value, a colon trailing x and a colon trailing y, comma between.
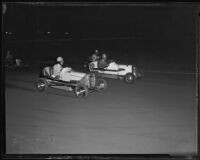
x: 81, y: 91
x: 129, y: 78
x: 41, y: 85
x: 101, y: 84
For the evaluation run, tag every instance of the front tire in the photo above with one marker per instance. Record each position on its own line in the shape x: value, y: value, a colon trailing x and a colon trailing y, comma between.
x: 81, y: 91
x: 41, y: 85
x: 101, y: 84
x: 129, y: 78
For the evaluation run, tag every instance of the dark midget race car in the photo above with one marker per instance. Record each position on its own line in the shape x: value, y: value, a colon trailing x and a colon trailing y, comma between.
x: 80, y: 83
x: 128, y: 73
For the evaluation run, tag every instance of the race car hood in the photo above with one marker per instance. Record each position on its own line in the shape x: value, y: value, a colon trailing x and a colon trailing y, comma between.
x: 124, y: 66
x: 68, y: 74
x: 69, y: 71
x: 77, y: 74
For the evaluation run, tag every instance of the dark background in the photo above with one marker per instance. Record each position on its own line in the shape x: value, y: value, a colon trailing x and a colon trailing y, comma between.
x: 153, y: 37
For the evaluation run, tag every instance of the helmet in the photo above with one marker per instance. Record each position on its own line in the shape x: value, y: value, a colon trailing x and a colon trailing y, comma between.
x: 104, y: 56
x: 96, y: 51
x: 94, y: 57
x: 60, y: 59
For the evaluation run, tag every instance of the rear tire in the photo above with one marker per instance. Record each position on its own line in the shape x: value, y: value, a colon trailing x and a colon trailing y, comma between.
x: 101, y: 84
x: 129, y: 78
x: 81, y: 91
x: 41, y: 85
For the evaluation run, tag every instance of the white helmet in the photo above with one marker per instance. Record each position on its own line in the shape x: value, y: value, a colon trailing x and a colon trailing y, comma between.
x: 60, y: 59
x: 104, y: 56
x: 96, y: 51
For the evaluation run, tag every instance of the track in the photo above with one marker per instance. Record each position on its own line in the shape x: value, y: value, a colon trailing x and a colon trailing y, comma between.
x: 157, y: 114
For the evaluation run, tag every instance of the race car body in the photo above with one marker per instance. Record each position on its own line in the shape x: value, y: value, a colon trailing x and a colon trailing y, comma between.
x: 67, y: 75
x: 80, y: 83
x: 128, y: 73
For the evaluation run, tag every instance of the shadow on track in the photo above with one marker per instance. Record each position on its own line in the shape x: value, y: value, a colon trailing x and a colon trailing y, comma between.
x: 62, y: 93
x: 49, y: 91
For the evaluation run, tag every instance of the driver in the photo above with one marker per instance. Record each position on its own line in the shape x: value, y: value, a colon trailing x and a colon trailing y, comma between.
x: 103, y: 61
x: 95, y: 56
x: 57, y: 68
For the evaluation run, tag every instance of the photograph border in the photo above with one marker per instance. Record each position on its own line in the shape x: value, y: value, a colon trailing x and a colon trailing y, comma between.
x: 196, y: 17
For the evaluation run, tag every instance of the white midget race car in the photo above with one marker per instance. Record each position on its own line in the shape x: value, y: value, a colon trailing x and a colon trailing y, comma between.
x: 80, y: 83
x: 128, y: 73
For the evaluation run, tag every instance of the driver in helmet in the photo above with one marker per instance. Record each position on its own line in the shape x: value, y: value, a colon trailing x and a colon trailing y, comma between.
x: 57, y: 68
x: 95, y: 56
x: 103, y: 61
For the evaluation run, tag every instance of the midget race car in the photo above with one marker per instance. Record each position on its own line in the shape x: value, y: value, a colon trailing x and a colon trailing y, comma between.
x: 80, y: 83
x: 128, y: 73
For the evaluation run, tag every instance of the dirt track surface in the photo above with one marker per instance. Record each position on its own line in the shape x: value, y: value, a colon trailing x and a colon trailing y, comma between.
x: 157, y: 114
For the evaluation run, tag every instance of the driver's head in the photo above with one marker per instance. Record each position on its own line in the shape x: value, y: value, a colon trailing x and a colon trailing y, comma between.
x: 94, y: 57
x: 104, y: 56
x: 9, y: 52
x: 96, y: 51
x: 60, y: 60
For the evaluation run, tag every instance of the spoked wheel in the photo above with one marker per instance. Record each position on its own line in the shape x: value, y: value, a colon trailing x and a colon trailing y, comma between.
x: 129, y: 78
x: 41, y: 85
x: 81, y: 91
x: 101, y: 84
